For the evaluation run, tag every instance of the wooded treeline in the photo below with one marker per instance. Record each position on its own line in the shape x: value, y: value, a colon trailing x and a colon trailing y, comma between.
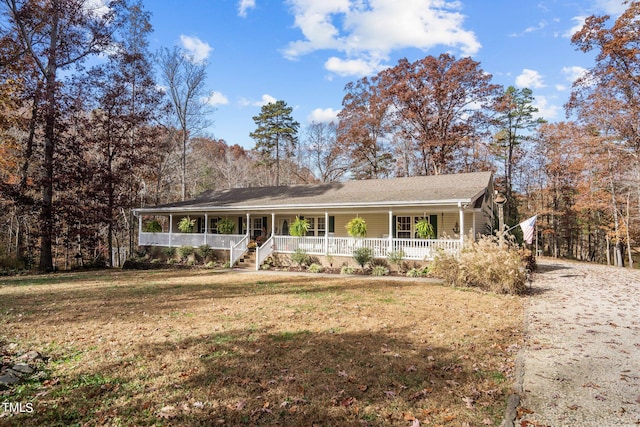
x: 87, y: 135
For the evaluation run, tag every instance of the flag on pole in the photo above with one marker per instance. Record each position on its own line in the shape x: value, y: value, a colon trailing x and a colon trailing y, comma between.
x: 528, y: 226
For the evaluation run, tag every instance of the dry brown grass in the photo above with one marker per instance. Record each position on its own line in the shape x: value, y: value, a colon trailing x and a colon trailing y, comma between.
x: 209, y: 348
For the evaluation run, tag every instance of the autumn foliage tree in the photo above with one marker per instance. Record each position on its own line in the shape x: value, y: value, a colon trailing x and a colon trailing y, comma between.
x: 55, y: 35
x: 607, y: 98
x: 363, y: 129
x: 441, y: 104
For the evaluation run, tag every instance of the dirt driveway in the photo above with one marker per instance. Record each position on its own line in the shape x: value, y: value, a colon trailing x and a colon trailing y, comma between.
x: 582, y: 355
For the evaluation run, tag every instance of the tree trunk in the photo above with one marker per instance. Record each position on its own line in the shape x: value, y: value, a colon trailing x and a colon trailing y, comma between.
x: 46, y: 213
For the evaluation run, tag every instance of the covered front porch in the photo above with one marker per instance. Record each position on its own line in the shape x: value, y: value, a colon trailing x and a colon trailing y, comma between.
x: 393, y: 231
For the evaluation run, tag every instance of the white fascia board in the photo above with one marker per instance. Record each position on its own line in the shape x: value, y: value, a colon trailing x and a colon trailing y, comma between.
x: 288, y: 207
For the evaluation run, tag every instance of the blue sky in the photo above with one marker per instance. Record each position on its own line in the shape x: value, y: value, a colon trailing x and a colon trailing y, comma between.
x: 305, y: 51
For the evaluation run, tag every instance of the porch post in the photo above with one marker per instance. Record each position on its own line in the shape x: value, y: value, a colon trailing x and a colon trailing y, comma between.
x: 170, y: 228
x: 326, y: 233
x: 206, y: 227
x: 273, y: 224
x: 461, y: 222
x: 474, y: 225
x: 139, y: 227
x: 249, y: 225
x: 391, y: 248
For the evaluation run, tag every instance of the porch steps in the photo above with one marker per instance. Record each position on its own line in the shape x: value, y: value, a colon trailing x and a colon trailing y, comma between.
x: 248, y: 260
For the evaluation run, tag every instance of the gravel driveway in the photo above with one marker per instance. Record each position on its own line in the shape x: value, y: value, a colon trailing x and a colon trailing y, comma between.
x: 581, y: 361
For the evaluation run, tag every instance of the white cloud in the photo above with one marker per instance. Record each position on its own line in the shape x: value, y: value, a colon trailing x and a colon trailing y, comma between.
x: 574, y: 73
x: 541, y: 25
x: 323, y: 115
x: 266, y: 99
x: 529, y: 78
x: 545, y: 110
x: 579, y: 23
x: 352, y: 67
x: 196, y: 48
x: 367, y: 32
x: 216, y: 98
x: 611, y: 7
x: 97, y: 8
x: 244, y: 6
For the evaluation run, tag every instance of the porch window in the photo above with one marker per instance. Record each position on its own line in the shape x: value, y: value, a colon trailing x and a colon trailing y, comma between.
x: 403, y: 227
x: 317, y: 226
x: 311, y: 231
x: 257, y: 225
x: 213, y: 225
x: 322, y: 227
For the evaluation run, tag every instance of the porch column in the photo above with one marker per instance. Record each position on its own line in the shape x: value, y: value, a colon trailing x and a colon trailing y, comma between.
x: 139, y: 227
x: 170, y: 228
x: 206, y: 228
x: 326, y: 233
x: 273, y: 224
x: 461, y: 211
x: 473, y: 226
x: 249, y: 225
x: 391, y: 248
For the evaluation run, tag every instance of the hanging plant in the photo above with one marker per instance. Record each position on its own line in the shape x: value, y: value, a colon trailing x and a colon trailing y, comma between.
x: 299, y: 227
x: 186, y: 225
x: 357, y: 227
x: 226, y: 226
x: 152, y: 226
x: 424, y: 229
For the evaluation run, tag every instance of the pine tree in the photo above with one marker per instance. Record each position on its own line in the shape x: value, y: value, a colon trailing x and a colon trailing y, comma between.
x: 276, y: 135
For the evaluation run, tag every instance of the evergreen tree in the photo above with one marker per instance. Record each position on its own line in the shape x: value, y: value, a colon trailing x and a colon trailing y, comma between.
x: 277, y: 132
x: 515, y: 118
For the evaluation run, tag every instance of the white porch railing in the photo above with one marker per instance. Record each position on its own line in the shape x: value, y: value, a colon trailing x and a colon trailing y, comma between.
x: 216, y: 241
x: 154, y: 239
x: 223, y: 241
x: 237, y: 250
x: 262, y: 252
x: 414, y: 249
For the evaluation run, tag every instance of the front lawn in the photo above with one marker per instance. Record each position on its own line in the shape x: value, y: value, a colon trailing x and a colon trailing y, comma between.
x: 209, y: 348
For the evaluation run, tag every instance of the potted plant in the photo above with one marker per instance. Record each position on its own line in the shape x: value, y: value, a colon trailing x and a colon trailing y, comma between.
x: 186, y: 225
x: 152, y: 226
x: 357, y: 227
x: 424, y: 229
x: 226, y: 226
x: 299, y: 227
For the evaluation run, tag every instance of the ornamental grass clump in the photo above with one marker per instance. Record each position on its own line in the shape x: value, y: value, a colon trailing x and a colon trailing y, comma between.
x: 300, y: 257
x: 484, y: 264
x: 379, y: 270
x: 315, y: 268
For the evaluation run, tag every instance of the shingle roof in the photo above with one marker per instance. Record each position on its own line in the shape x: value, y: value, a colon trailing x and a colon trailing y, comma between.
x: 433, y: 189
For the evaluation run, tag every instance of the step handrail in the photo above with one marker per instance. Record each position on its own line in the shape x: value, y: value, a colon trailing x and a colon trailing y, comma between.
x: 238, y: 250
x: 262, y: 252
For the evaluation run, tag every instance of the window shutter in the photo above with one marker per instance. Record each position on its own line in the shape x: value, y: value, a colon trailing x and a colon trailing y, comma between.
x: 433, y: 219
x: 264, y: 223
x: 332, y: 224
x: 394, y: 226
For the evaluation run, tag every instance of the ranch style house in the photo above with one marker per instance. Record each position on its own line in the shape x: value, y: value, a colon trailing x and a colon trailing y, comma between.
x: 458, y: 207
